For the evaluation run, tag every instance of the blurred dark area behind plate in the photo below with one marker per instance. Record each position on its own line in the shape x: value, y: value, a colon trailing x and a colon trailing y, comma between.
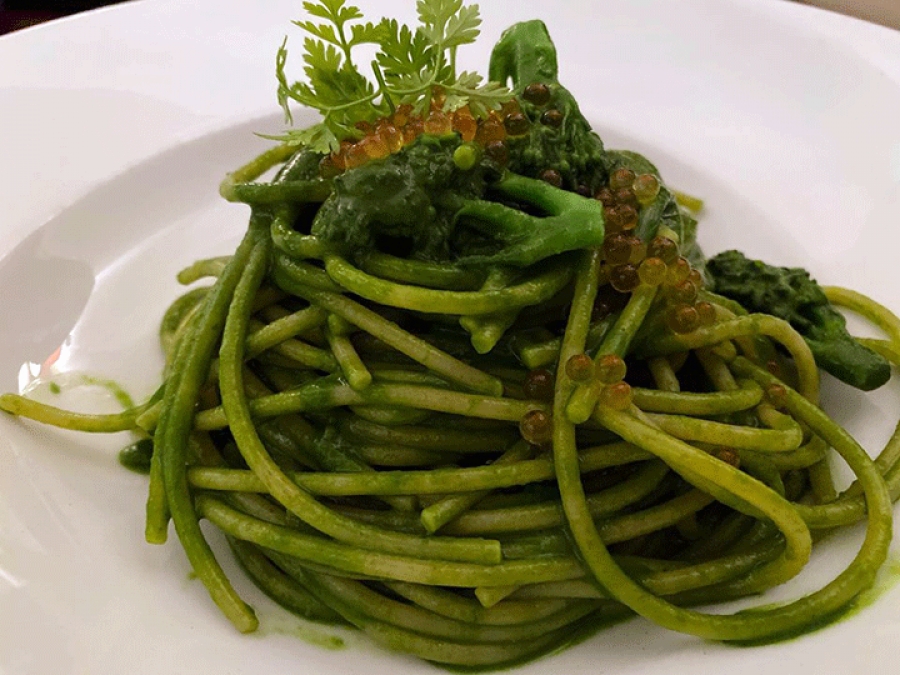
x: 21, y: 14
x: 16, y: 14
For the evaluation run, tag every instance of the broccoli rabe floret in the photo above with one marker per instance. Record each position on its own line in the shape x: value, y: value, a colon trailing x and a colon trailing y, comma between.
x: 791, y: 294
x: 560, y: 138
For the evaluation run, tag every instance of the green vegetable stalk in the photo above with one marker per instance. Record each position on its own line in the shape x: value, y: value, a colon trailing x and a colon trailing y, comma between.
x: 791, y: 294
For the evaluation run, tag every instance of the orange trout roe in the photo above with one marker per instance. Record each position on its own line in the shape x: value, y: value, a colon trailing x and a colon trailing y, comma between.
x: 629, y: 261
x: 391, y: 134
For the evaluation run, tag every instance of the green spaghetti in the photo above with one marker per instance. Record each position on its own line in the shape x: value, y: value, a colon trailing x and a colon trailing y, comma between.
x: 468, y: 386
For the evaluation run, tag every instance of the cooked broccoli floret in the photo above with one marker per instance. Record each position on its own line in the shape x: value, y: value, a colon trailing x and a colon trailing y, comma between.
x: 791, y: 294
x: 421, y: 203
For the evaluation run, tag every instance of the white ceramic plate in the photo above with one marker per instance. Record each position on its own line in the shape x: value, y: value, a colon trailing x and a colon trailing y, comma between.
x: 116, y: 128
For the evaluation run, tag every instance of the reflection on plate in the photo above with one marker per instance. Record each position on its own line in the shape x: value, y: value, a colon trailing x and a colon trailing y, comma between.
x: 790, y: 139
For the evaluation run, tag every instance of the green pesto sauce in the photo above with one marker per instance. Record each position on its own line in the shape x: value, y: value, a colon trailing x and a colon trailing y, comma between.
x: 887, y: 578
x: 588, y: 627
x: 318, y: 638
x: 136, y: 457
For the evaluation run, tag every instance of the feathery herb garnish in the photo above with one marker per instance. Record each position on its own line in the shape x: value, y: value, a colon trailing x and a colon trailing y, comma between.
x: 414, y: 66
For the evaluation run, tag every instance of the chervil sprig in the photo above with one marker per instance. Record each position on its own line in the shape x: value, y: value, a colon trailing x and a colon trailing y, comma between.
x: 412, y: 66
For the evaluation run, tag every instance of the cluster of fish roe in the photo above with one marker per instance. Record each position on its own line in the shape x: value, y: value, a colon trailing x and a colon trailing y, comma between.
x: 392, y: 133
x: 629, y: 261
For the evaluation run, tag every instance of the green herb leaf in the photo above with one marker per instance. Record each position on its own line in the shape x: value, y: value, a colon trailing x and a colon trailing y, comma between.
x: 462, y: 28
x: 335, y: 11
x: 318, y: 138
x: 321, y: 31
x: 403, y: 52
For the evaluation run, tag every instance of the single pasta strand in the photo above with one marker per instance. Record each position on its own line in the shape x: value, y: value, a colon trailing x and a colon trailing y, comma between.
x: 442, y: 512
x: 22, y: 406
x: 749, y: 325
x: 706, y: 404
x: 874, y: 311
x: 256, y: 167
x: 617, y: 341
x: 451, y: 437
x: 489, y: 300
x: 663, y: 375
x: 440, y: 481
x: 441, y: 276
x: 259, y: 194
x: 353, y: 368
x: 716, y: 369
x: 170, y: 441
x: 731, y: 435
x: 284, y: 328
x: 319, y: 396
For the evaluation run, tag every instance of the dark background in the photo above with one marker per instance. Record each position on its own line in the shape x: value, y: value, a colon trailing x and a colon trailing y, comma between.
x: 15, y: 14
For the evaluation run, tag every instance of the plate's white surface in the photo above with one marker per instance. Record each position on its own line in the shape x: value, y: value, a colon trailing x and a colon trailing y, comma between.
x: 115, y: 128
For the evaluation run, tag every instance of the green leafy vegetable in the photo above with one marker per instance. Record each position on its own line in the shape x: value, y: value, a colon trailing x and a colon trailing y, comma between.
x: 412, y: 66
x: 409, y: 199
x: 791, y: 294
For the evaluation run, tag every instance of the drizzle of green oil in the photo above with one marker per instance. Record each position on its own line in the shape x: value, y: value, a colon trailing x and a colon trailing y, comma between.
x: 308, y: 633
x: 887, y: 578
x: 74, y: 379
x: 114, y: 388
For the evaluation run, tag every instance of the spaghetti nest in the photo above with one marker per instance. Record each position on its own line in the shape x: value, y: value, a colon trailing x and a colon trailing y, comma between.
x: 477, y: 507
